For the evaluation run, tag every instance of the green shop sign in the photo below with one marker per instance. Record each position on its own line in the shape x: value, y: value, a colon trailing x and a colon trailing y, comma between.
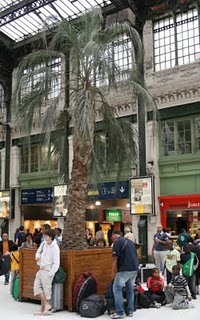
x: 113, y: 215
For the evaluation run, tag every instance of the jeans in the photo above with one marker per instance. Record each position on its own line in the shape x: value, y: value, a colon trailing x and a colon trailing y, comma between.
x: 191, y: 281
x: 7, y: 276
x: 126, y: 278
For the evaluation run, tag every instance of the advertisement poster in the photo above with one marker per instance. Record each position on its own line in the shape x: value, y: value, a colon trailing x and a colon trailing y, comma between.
x: 142, y: 200
x: 60, y: 200
x: 5, y: 204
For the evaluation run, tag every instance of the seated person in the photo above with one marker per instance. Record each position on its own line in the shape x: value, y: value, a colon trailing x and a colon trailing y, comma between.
x: 155, y: 285
x: 177, y: 291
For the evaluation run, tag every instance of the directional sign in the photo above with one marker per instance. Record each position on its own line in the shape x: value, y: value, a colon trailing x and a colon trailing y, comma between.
x: 108, y: 190
x: 36, y: 196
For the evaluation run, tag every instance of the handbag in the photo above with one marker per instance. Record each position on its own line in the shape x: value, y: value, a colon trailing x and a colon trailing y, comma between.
x: 5, y: 264
x: 60, y: 276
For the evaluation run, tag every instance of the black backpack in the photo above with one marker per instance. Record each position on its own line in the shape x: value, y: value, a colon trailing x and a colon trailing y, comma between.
x: 21, y: 238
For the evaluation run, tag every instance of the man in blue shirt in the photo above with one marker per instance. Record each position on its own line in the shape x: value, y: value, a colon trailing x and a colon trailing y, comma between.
x: 159, y: 247
x: 124, y: 272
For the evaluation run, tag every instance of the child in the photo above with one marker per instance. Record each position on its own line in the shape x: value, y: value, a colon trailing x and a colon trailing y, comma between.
x: 172, y: 258
x: 155, y: 285
x: 177, y: 291
x: 189, y: 262
x: 14, y: 255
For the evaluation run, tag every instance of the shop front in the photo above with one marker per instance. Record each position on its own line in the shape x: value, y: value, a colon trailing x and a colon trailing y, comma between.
x: 181, y: 211
x: 37, y: 208
x: 108, y: 207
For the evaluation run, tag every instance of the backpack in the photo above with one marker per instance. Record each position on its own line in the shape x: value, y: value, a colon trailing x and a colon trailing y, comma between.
x: 85, y: 285
x: 15, y: 288
x: 21, y: 238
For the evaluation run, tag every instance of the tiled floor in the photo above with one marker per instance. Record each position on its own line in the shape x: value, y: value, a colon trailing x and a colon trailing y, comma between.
x: 11, y: 309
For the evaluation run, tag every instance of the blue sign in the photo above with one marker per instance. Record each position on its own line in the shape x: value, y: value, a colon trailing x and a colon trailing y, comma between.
x: 37, y: 196
x: 108, y: 190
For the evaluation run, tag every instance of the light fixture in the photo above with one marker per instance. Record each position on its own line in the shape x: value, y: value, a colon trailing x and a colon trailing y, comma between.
x: 97, y: 203
x: 179, y: 215
x: 128, y: 205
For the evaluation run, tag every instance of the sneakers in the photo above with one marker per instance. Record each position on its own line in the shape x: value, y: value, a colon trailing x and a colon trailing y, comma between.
x: 194, y: 296
x: 130, y: 314
x: 156, y: 305
x: 6, y: 282
x: 117, y: 316
x: 189, y: 304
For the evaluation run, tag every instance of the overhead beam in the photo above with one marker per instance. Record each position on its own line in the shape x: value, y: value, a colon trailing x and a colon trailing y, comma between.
x: 21, y: 9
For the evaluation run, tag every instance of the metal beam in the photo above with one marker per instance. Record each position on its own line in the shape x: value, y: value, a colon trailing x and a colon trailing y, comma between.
x: 21, y: 9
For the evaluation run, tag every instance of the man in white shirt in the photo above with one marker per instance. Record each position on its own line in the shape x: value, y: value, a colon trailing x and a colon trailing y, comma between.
x: 48, y: 258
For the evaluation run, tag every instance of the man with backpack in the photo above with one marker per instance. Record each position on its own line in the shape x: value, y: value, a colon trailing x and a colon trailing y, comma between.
x: 124, y: 271
x: 21, y: 236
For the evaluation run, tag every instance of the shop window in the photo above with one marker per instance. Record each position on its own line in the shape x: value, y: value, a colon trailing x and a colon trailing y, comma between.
x: 180, y: 137
x: 176, y: 40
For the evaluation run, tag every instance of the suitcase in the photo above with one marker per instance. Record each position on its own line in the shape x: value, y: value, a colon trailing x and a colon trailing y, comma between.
x: 92, y: 306
x: 57, y: 297
x: 145, y: 273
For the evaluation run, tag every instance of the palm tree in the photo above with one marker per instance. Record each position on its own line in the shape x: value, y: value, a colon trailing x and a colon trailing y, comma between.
x: 86, y: 48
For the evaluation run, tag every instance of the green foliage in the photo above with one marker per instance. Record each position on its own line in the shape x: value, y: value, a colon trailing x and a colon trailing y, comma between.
x: 84, y: 46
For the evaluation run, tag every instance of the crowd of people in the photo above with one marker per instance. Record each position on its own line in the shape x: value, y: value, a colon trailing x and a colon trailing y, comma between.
x: 181, y: 267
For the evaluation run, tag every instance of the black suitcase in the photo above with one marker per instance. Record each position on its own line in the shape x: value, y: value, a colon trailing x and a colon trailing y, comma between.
x: 92, y: 306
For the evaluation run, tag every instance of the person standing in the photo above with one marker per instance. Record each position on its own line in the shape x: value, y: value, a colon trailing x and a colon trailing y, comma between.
x: 159, y: 247
x: 5, y: 248
x: 48, y: 259
x: 183, y: 238
x: 172, y: 258
x: 124, y: 272
x: 189, y: 263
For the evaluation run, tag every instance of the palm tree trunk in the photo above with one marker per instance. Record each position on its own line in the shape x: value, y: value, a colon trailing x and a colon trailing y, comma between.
x: 74, y: 228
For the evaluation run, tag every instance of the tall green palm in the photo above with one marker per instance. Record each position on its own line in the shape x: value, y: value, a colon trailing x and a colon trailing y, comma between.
x: 86, y: 49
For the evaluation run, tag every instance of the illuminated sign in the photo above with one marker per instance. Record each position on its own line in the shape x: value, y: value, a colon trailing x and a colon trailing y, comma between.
x: 113, y: 215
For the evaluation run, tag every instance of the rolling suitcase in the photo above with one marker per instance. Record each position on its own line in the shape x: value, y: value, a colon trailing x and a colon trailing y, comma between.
x: 57, y: 297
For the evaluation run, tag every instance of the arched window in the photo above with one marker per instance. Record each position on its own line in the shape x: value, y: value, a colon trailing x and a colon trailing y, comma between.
x: 1, y: 96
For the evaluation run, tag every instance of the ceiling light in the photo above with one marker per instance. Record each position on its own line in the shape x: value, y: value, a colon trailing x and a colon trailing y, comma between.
x: 128, y: 205
x: 97, y: 203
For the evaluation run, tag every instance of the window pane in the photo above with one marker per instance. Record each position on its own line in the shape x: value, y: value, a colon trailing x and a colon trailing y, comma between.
x: 34, y: 166
x: 184, y: 137
x: 44, y: 163
x: 24, y: 159
x: 197, y: 134
x: 167, y: 130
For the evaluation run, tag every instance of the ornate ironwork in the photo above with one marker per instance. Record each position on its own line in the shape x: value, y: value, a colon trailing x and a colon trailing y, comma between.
x: 21, y: 9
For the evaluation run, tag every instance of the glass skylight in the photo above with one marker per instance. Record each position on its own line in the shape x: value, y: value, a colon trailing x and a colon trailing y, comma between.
x: 18, y: 24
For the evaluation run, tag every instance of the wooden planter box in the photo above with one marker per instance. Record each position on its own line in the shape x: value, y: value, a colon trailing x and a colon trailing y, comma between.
x: 75, y: 262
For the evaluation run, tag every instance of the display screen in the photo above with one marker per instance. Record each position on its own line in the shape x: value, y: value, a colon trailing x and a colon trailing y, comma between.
x: 5, y: 204
x: 142, y: 195
x: 60, y: 200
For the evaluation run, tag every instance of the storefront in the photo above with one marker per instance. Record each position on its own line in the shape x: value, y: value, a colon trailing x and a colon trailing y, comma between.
x: 182, y: 211
x: 37, y: 208
x: 108, y: 207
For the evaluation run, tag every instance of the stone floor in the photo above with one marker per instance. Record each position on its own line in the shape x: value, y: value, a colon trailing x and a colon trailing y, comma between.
x: 11, y: 309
